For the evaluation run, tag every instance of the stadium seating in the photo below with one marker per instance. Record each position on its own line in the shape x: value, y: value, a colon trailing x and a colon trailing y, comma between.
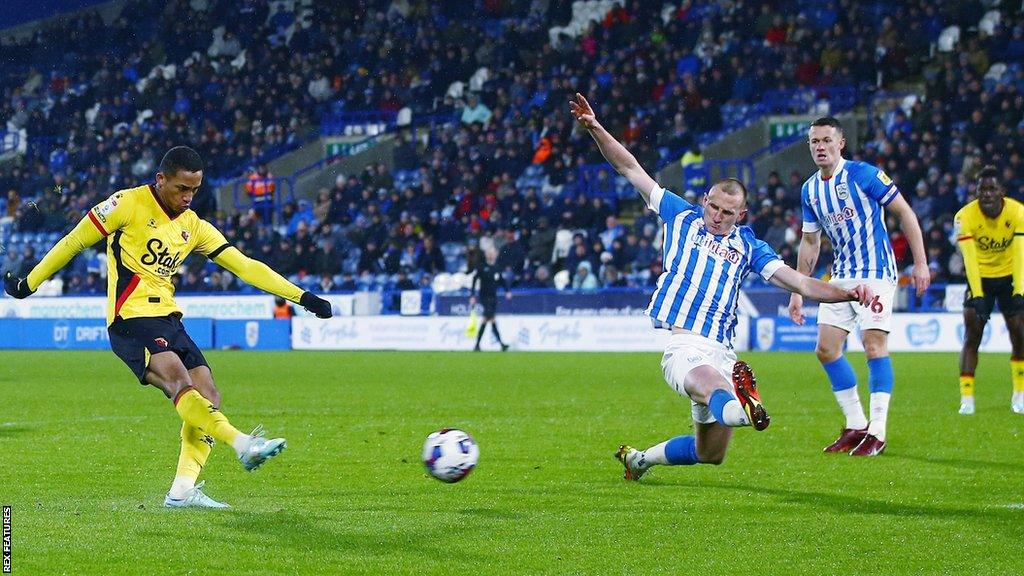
x: 492, y: 179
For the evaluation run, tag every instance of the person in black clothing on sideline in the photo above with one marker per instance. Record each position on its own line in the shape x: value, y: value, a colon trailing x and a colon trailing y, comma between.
x: 488, y: 275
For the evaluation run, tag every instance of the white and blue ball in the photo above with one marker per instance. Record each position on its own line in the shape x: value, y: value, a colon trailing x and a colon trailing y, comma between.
x: 450, y: 454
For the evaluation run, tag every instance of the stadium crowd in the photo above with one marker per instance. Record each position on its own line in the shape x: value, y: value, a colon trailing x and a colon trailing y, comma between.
x: 508, y: 172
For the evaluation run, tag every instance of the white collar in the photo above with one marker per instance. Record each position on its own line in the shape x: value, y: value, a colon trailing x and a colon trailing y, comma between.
x: 839, y: 167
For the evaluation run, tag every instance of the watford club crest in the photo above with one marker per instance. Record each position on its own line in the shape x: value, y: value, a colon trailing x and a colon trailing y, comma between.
x: 161, y: 342
x: 184, y: 235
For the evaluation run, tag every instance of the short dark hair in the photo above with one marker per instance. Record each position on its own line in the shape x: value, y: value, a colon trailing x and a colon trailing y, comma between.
x: 988, y: 171
x: 829, y: 121
x: 180, y: 158
x: 733, y: 186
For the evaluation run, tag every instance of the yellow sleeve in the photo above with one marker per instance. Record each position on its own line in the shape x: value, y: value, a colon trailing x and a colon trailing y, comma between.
x: 209, y: 240
x: 256, y: 273
x: 85, y: 234
x: 965, y: 241
x: 1018, y: 254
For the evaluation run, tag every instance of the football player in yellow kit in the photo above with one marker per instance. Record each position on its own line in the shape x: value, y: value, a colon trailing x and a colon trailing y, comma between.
x: 150, y: 229
x: 990, y: 234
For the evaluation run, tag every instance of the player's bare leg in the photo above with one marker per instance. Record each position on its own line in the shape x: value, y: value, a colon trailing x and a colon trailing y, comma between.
x: 712, y: 442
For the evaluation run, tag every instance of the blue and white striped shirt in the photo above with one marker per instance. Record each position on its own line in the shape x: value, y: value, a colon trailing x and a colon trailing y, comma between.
x: 849, y: 208
x: 700, y: 287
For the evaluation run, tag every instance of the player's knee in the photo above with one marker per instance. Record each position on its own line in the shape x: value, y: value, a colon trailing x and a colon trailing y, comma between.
x: 826, y: 354
x: 875, y: 345
x: 875, y: 350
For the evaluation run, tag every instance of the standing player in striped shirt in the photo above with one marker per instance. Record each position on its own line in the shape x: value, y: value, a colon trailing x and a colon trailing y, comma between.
x: 848, y: 199
x: 706, y: 258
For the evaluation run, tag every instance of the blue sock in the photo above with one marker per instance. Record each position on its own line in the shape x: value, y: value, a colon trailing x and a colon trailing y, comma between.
x: 841, y: 374
x: 681, y: 450
x: 719, y: 398
x: 880, y: 375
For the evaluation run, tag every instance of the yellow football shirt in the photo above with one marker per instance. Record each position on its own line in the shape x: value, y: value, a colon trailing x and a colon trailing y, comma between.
x: 145, y: 247
x: 992, y: 237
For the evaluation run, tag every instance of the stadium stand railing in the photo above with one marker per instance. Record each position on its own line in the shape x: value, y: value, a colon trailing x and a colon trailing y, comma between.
x: 836, y: 99
x: 243, y: 202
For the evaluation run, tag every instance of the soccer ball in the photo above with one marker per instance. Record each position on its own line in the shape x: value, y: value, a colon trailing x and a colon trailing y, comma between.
x: 450, y: 454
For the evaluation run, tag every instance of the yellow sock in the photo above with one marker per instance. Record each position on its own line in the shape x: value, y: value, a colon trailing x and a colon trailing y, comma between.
x: 1017, y: 371
x: 198, y: 412
x: 195, y: 449
x: 967, y: 384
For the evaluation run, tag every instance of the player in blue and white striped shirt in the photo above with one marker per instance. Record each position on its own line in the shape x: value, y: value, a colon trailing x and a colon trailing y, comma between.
x: 706, y: 257
x: 847, y: 200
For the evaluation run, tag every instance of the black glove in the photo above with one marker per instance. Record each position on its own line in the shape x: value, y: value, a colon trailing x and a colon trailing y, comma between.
x: 981, y: 307
x: 315, y: 304
x: 17, y: 287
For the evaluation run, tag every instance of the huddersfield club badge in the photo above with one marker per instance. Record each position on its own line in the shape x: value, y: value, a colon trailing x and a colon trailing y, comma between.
x: 184, y: 235
x: 842, y: 190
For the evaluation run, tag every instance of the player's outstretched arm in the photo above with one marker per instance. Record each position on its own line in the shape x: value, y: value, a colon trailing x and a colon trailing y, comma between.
x: 614, y: 152
x: 806, y: 259
x: 920, y: 276
x: 789, y: 279
x: 85, y: 234
x: 263, y: 277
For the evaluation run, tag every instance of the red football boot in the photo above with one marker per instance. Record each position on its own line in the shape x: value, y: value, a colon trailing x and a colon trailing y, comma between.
x: 746, y: 391
x: 848, y: 440
x: 869, y: 446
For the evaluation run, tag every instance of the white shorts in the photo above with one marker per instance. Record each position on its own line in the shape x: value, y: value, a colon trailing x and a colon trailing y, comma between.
x: 688, y: 351
x: 851, y: 315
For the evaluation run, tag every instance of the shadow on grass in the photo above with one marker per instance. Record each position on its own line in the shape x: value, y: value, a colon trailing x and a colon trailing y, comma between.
x: 332, y: 535
x: 963, y: 463
x: 849, y: 504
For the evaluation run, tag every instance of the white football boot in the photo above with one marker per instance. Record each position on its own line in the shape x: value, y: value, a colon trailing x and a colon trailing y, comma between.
x: 194, y: 498
x: 260, y: 449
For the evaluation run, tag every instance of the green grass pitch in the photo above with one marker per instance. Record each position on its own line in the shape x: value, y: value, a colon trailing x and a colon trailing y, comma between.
x: 86, y: 456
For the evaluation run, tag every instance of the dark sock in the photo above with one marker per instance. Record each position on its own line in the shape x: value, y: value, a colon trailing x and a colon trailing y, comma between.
x: 480, y: 333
